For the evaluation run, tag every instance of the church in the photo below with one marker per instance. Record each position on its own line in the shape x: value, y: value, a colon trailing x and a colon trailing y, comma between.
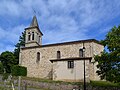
x: 64, y: 61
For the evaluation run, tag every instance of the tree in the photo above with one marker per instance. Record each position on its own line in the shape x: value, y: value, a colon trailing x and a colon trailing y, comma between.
x: 8, y: 60
x: 1, y: 68
x: 9, y: 67
x: 17, y: 51
x: 109, y: 61
x: 18, y: 45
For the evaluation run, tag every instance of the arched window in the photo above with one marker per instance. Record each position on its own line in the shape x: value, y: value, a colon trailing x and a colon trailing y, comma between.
x: 38, y: 56
x: 80, y: 52
x: 58, y: 55
x: 32, y: 35
x: 29, y: 36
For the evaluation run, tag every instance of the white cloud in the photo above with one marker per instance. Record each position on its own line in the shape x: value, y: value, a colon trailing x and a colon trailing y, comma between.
x: 11, y: 34
x: 9, y: 8
x: 10, y: 37
x: 6, y: 48
x: 60, y: 20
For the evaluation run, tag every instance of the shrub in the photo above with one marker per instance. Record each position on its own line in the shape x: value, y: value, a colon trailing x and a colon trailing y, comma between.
x: 19, y: 70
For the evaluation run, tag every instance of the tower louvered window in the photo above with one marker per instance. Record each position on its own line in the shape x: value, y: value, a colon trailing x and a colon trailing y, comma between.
x: 32, y: 35
x: 29, y: 36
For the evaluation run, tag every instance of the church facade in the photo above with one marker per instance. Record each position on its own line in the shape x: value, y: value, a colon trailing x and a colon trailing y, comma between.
x: 61, y: 61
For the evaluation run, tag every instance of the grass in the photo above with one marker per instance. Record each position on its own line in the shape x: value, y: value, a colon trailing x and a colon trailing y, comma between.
x: 49, y: 81
x: 92, y: 83
x: 2, y: 88
x: 7, y: 88
x: 16, y: 87
x: 104, y: 84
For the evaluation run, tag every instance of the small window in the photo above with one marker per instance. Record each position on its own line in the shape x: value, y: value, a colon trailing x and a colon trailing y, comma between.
x: 29, y: 36
x: 38, y: 56
x: 70, y: 64
x: 32, y: 35
x: 81, y: 52
x: 39, y: 40
x: 58, y: 55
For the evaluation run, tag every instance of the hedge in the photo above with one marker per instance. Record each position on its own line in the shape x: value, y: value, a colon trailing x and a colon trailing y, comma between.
x: 19, y: 70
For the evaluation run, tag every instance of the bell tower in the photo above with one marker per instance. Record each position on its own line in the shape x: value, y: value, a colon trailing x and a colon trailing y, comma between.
x: 33, y: 34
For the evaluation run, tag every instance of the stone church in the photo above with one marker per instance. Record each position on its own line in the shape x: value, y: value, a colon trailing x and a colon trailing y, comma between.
x: 64, y: 61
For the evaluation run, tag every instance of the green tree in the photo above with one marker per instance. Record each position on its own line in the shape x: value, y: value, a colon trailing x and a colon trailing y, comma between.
x: 18, y: 45
x: 1, y: 68
x: 21, y: 43
x: 9, y: 67
x: 8, y: 60
x: 109, y: 61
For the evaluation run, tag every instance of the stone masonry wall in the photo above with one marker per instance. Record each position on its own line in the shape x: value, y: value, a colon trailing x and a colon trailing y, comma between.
x: 96, y: 51
x: 43, y: 68
x: 63, y: 86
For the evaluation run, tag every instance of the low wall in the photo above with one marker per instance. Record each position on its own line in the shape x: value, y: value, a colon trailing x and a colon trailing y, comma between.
x: 63, y: 86
x: 51, y: 86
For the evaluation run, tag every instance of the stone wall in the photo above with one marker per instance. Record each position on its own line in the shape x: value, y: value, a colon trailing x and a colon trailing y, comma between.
x: 42, y: 69
x: 96, y: 51
x: 63, y: 86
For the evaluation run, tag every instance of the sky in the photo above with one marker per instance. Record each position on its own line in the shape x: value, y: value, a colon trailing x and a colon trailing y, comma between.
x: 59, y: 20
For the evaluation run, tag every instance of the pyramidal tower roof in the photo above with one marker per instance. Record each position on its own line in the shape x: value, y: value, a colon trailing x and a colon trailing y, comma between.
x: 34, y: 22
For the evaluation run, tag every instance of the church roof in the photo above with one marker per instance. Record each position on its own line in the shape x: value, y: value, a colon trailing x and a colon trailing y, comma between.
x: 34, y: 22
x: 65, y: 43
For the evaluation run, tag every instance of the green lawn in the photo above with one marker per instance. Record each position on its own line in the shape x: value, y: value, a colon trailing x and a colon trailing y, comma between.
x: 2, y: 88
x: 104, y: 84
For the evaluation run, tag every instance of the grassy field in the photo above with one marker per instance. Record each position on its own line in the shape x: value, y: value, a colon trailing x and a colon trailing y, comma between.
x: 104, y: 84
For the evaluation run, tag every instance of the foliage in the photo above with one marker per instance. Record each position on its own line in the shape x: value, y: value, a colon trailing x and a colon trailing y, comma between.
x: 1, y: 68
x: 5, y: 76
x: 19, y: 70
x: 8, y: 60
x: 18, y: 45
x: 109, y: 61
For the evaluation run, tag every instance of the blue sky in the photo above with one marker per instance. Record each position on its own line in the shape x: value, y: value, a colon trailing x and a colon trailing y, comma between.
x: 59, y: 20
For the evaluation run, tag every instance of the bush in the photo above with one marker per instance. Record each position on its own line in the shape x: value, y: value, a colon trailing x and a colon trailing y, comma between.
x: 1, y: 68
x: 19, y: 70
